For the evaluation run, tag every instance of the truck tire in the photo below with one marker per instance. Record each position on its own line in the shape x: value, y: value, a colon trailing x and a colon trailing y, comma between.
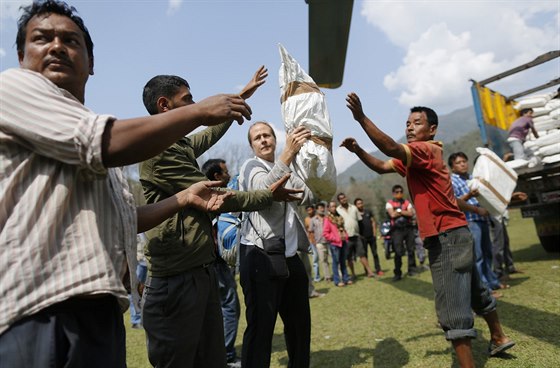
x: 550, y: 243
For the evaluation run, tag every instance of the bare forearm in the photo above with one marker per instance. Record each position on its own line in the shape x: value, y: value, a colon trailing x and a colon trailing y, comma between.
x: 386, y: 144
x: 151, y: 215
x: 464, y: 206
x: 407, y: 213
x: 373, y: 163
x: 134, y: 140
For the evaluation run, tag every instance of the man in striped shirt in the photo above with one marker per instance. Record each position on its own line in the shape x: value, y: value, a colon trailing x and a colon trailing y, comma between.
x: 67, y: 220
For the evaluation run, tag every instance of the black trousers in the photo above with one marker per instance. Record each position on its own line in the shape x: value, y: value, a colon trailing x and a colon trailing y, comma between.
x: 78, y: 332
x: 183, y: 320
x: 265, y: 298
x: 407, y: 236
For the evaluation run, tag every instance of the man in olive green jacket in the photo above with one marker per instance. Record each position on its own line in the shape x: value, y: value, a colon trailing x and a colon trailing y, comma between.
x: 181, y: 312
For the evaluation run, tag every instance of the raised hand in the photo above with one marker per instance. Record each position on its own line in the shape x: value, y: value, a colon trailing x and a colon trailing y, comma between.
x: 204, y: 197
x: 282, y: 194
x: 355, y: 105
x: 294, y: 142
x: 258, y: 80
x: 217, y: 109
x: 350, y: 144
x: 296, y: 139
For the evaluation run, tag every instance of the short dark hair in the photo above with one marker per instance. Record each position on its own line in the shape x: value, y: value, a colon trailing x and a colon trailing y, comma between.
x: 259, y: 122
x: 524, y: 111
x: 309, y: 206
x: 161, y: 86
x: 395, y: 187
x: 212, y: 167
x: 340, y: 194
x: 430, y: 114
x: 45, y: 7
x: 453, y: 157
x: 321, y: 204
x: 357, y: 199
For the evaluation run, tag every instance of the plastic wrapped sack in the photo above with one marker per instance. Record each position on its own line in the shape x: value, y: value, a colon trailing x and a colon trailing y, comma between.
x: 533, y: 101
x: 494, y: 180
x: 551, y: 159
x: 549, y: 150
x: 517, y: 164
x: 303, y: 103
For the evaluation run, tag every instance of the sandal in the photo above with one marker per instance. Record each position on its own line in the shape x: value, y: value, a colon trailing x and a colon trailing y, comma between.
x: 494, y: 349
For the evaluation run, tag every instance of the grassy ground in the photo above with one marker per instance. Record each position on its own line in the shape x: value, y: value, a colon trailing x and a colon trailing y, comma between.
x: 379, y: 323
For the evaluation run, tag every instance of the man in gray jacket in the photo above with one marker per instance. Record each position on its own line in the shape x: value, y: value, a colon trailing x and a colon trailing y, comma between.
x: 274, y: 281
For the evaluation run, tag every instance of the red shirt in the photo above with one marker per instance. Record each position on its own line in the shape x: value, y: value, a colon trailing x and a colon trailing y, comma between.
x: 429, y: 185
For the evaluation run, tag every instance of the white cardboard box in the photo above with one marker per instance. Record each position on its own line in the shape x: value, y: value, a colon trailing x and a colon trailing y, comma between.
x: 495, y: 181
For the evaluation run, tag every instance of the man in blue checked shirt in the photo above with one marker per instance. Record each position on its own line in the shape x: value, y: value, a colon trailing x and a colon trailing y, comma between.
x: 477, y: 218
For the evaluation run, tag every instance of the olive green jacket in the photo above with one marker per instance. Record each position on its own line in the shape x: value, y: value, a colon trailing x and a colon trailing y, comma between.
x: 185, y: 241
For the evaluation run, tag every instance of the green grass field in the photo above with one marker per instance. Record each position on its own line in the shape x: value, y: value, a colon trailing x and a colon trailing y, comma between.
x: 379, y: 323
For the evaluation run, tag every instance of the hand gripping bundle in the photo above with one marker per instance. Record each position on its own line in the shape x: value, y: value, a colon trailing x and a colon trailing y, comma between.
x: 303, y: 103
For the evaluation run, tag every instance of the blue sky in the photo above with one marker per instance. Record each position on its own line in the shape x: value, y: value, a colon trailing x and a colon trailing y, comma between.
x: 400, y: 54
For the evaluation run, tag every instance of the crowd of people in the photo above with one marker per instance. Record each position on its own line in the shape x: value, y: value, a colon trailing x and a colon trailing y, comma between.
x: 69, y: 222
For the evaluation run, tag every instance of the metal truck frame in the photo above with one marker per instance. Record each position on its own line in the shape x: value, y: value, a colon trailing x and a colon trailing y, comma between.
x: 542, y: 182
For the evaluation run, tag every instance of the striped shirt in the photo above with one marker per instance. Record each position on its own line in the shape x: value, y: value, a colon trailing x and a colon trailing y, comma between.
x: 460, y: 188
x: 65, y: 220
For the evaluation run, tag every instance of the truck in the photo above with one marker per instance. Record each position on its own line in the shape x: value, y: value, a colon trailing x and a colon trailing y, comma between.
x: 495, y: 113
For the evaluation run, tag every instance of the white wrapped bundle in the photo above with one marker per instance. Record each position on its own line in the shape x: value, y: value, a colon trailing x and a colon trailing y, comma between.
x: 541, y: 111
x: 494, y: 180
x: 551, y: 159
x: 549, y: 150
x: 533, y: 101
x: 303, y: 104
x: 517, y: 164
x: 547, y: 125
x: 545, y: 140
x: 544, y: 118
x: 555, y: 113
x: 553, y: 104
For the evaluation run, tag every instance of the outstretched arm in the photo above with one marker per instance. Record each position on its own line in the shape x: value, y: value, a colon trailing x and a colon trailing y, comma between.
x: 373, y: 163
x: 534, y: 130
x: 258, y: 80
x: 129, y: 141
x: 201, y: 196
x: 386, y: 144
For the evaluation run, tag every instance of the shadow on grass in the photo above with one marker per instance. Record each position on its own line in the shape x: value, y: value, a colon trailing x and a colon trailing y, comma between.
x: 533, y: 322
x: 390, y: 353
x: 533, y: 253
x: 345, y: 357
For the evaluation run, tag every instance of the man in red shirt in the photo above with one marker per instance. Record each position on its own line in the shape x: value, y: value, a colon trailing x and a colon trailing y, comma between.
x: 441, y: 223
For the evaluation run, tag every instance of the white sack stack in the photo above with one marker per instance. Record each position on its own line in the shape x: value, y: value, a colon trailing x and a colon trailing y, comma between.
x: 546, y: 117
x: 494, y: 180
x: 303, y: 104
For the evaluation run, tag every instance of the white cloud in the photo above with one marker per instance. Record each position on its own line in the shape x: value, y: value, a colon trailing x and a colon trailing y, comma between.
x: 447, y: 43
x: 174, y: 6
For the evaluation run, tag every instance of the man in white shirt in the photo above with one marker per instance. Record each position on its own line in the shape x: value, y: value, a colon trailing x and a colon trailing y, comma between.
x: 356, y: 248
